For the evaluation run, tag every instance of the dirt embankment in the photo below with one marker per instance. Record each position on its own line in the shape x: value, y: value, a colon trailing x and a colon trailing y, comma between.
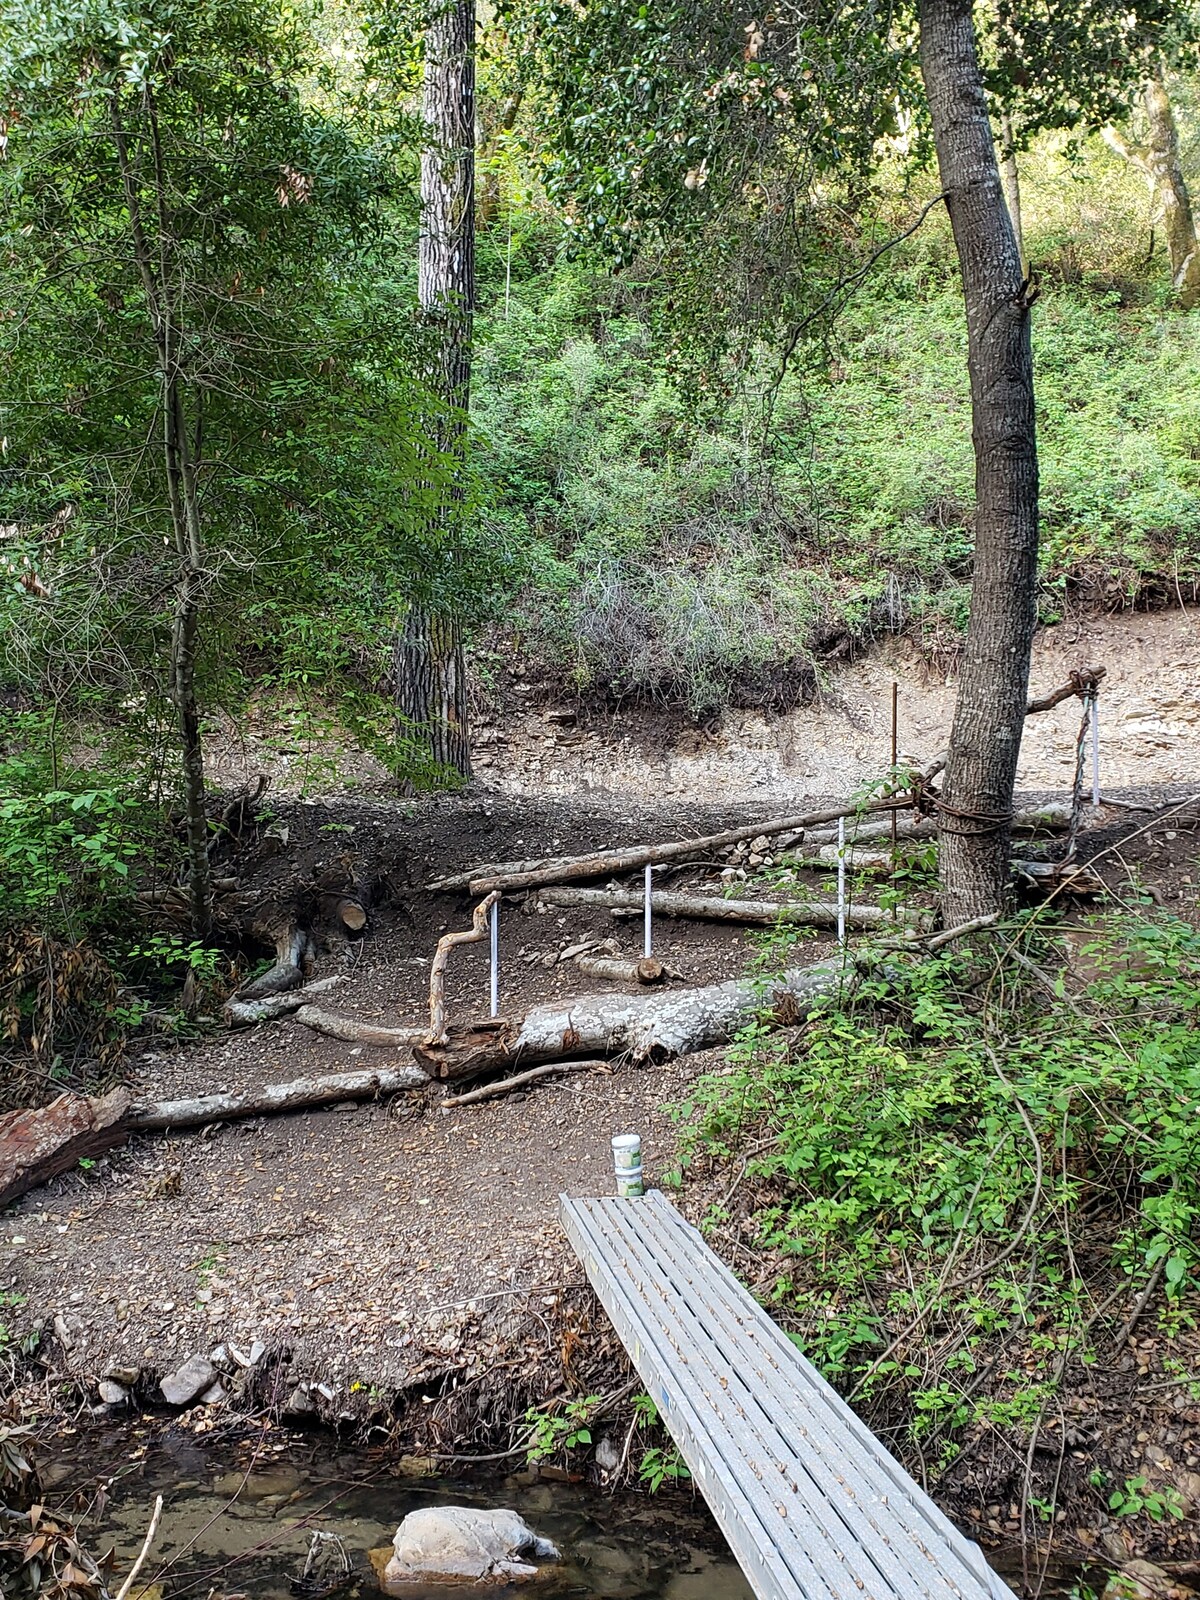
x: 540, y: 744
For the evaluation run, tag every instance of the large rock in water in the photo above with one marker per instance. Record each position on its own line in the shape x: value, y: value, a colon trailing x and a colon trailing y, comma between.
x: 458, y: 1544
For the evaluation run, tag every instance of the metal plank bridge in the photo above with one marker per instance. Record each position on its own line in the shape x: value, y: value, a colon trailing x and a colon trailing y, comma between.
x: 812, y: 1505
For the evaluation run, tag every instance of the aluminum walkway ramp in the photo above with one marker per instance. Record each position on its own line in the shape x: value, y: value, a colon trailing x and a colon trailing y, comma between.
x: 812, y: 1505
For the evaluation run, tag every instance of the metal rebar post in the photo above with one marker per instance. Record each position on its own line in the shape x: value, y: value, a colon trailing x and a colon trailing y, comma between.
x: 648, y: 940
x: 1095, y: 752
x: 841, y: 887
x: 495, y: 1011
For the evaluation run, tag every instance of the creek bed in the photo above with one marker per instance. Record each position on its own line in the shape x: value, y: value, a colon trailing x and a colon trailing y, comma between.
x: 238, y: 1520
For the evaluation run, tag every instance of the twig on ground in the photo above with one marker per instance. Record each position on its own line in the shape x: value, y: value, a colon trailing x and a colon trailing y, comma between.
x: 123, y: 1591
x: 491, y: 1090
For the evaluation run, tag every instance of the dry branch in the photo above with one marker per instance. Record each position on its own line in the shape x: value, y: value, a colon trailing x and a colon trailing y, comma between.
x: 242, y: 1013
x: 354, y: 1031
x: 491, y: 1091
x: 761, y: 913
x: 437, y: 971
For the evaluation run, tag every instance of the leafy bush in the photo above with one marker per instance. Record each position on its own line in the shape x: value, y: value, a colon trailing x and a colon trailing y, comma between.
x: 1002, y: 1170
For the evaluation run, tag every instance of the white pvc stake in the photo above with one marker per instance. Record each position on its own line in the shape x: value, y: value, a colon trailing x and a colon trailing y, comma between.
x: 841, y: 901
x: 495, y: 1012
x: 648, y: 940
x: 1095, y: 752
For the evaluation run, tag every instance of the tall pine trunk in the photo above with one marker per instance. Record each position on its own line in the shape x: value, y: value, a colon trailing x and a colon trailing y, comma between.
x: 990, y: 710
x: 431, y: 678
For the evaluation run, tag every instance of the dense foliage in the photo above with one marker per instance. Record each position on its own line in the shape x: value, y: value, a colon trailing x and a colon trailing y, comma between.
x: 993, y: 1161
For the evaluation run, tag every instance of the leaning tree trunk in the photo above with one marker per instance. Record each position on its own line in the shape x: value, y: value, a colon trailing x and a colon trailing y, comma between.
x: 431, y: 675
x: 974, y: 823
x: 1159, y: 160
x: 1010, y: 178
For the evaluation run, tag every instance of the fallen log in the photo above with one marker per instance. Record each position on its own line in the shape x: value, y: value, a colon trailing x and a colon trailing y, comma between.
x: 41, y: 1143
x: 646, y: 970
x: 1050, y: 818
x: 641, y: 1027
x: 567, y: 869
x: 334, y: 1025
x: 760, y: 913
x: 242, y: 1013
x: 300, y: 1095
x: 1059, y: 876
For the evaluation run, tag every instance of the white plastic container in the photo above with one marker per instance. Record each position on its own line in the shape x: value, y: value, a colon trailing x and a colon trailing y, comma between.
x: 627, y: 1164
x: 627, y: 1151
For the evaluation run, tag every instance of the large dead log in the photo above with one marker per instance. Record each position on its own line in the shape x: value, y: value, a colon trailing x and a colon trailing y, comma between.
x: 570, y: 869
x: 641, y: 1027
x: 36, y: 1145
x: 712, y: 908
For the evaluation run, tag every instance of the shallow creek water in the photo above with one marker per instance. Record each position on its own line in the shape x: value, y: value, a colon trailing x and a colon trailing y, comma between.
x: 238, y: 1522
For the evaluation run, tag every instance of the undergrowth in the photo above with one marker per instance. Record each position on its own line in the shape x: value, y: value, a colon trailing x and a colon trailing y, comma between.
x: 966, y: 1182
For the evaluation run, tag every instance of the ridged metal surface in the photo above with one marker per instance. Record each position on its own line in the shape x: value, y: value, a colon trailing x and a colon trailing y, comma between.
x: 813, y: 1506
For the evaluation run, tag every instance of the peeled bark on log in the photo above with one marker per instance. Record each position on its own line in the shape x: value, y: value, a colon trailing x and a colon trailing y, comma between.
x: 762, y: 913
x: 642, y: 1027
x: 274, y: 1098
x: 38, y: 1144
x: 646, y: 970
x: 242, y: 1013
x: 335, y: 1026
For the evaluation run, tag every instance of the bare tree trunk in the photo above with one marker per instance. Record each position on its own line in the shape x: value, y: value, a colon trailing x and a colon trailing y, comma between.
x: 1010, y: 177
x: 989, y: 714
x: 1159, y: 160
x: 431, y: 679
x: 182, y: 495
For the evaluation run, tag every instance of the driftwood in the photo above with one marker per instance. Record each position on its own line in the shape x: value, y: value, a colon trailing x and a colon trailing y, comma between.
x: 646, y: 969
x: 761, y: 913
x: 437, y: 971
x: 643, y: 1027
x: 334, y: 1025
x: 492, y: 1091
x: 242, y: 1013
